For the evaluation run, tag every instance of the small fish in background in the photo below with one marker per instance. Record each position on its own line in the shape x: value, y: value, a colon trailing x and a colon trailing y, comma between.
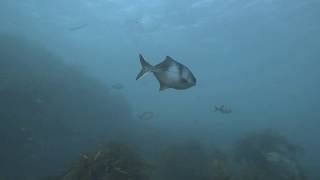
x: 39, y: 100
x: 273, y: 157
x: 276, y: 157
x: 75, y: 28
x: 169, y: 73
x: 223, y: 109
x: 148, y: 115
x: 22, y: 129
x: 117, y: 86
x: 196, y: 121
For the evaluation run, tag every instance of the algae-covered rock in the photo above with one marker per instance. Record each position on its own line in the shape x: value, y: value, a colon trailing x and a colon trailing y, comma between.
x: 50, y: 109
x: 219, y: 167
x: 115, y: 161
x: 190, y: 160
x: 268, y: 155
x: 220, y: 171
x: 187, y: 161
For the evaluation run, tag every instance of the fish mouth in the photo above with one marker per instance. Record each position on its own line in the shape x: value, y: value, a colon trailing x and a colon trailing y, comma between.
x: 194, y: 82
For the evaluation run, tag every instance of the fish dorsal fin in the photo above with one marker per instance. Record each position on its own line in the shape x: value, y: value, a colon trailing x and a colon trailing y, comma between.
x: 163, y: 87
x: 166, y: 63
x: 168, y: 58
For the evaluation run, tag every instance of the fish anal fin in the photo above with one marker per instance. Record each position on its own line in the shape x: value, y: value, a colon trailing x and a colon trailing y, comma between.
x: 163, y: 87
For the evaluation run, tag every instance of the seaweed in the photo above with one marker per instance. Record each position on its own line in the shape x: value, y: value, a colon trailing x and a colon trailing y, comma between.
x: 190, y: 160
x: 114, y: 161
x: 219, y: 167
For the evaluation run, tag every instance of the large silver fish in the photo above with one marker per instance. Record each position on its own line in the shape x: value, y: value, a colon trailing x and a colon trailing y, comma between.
x: 170, y: 74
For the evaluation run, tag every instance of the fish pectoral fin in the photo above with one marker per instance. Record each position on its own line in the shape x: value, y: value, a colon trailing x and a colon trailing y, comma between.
x: 163, y: 87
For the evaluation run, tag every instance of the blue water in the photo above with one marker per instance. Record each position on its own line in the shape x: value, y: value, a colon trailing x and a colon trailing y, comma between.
x: 260, y: 58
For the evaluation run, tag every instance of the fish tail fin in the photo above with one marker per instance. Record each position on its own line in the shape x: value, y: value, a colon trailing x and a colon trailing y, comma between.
x: 146, y: 67
x: 216, y: 108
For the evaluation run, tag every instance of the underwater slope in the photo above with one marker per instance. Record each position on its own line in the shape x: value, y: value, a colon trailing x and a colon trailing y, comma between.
x: 49, y: 111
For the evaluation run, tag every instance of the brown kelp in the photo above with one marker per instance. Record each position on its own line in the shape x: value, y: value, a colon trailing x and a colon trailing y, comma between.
x: 219, y: 166
x: 258, y: 156
x: 114, y: 161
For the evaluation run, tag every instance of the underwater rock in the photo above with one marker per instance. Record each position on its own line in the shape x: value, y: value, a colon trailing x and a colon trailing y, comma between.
x: 187, y: 161
x: 50, y: 109
x: 115, y: 161
x: 268, y: 155
x: 219, y: 168
x: 220, y: 171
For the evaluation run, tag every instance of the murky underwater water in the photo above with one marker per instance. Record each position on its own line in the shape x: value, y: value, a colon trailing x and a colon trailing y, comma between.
x: 71, y: 108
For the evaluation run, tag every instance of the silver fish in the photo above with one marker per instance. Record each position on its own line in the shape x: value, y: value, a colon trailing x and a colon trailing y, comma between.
x: 170, y: 74
x: 117, y: 86
x: 146, y: 115
x: 75, y: 28
x: 223, y: 109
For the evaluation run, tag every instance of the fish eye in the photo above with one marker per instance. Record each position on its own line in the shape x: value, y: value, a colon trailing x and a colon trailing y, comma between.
x: 184, y: 80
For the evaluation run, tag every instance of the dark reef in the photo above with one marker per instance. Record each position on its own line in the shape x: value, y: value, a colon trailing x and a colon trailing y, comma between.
x: 49, y: 111
x: 268, y: 155
x: 186, y: 161
x: 114, y: 161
